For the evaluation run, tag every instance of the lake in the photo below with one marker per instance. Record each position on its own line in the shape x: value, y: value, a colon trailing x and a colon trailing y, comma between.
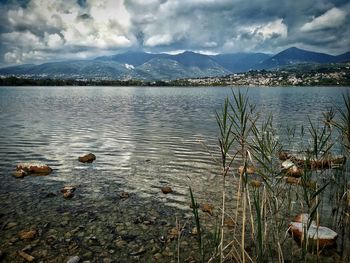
x: 143, y: 137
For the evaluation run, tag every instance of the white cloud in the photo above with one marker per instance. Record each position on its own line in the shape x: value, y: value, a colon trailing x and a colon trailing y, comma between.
x: 18, y: 56
x: 53, y: 41
x: 274, y: 28
x: 24, y: 39
x: 331, y: 19
x: 267, y: 30
x: 157, y: 40
x: 65, y: 25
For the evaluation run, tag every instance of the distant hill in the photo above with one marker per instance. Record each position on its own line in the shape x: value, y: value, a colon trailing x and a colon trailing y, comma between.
x: 131, y: 58
x: 240, y: 62
x: 344, y: 57
x: 293, y: 55
x: 130, y: 65
x: 147, y: 66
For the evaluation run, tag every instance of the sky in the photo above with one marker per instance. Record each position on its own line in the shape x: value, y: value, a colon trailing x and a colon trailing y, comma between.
x: 37, y: 31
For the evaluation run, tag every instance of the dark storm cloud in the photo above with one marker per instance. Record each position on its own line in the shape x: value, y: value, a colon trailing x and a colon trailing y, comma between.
x: 36, y: 30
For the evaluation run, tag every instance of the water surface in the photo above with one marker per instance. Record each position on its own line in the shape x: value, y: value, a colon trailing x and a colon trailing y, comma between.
x: 143, y: 138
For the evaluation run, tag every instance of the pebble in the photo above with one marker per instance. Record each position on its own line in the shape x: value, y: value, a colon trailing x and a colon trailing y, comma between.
x: 173, y: 232
x: 184, y: 243
x: 26, y: 256
x: 249, y: 170
x: 255, y: 183
x: 27, y: 248
x: 208, y: 208
x: 157, y: 256
x: 88, y: 254
x: 10, y: 225
x: 194, y: 231
x: 74, y: 259
x: 13, y: 240
x: 139, y: 252
x: 28, y: 234
x: 119, y: 227
x: 124, y: 195
x: 167, y: 252
x: 120, y: 243
x: 228, y: 222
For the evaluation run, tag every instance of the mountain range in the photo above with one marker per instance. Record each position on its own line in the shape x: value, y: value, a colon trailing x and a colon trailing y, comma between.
x: 149, y: 67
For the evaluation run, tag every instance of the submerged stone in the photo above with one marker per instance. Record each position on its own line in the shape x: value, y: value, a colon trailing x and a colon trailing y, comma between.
x: 74, y: 259
x: 26, y: 256
x: 10, y: 225
x: 28, y: 234
x: 124, y: 195
x: 250, y: 170
x: 298, y: 181
x: 208, y: 208
x: 68, y: 191
x: 255, y: 183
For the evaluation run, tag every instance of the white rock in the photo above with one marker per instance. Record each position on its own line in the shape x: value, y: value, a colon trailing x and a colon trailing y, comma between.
x: 74, y: 259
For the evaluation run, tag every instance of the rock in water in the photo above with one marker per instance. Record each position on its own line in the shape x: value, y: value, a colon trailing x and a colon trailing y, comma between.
x: 88, y: 158
x: 74, y: 259
x: 303, y: 158
x: 34, y: 168
x: 208, y: 208
x: 166, y: 189
x: 287, y: 164
x: 255, y: 183
x: 68, y: 191
x: 303, y: 218
x: 249, y: 170
x: 124, y: 195
x: 290, y: 169
x: 325, y: 236
x: 20, y: 173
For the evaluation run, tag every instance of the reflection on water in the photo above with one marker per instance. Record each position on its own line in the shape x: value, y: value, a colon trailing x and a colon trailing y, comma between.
x: 143, y: 138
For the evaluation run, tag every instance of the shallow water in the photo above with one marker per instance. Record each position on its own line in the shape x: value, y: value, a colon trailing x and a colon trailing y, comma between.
x: 144, y: 138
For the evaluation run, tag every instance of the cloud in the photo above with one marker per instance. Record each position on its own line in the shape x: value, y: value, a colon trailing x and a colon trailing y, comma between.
x: 33, y: 31
x: 272, y: 29
x: 331, y: 19
x: 45, y: 26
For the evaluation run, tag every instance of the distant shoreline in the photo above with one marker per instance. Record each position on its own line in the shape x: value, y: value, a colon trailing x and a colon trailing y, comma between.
x: 15, y: 81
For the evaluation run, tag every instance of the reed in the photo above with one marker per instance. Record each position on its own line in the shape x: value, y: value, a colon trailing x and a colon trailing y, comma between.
x: 264, y: 203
